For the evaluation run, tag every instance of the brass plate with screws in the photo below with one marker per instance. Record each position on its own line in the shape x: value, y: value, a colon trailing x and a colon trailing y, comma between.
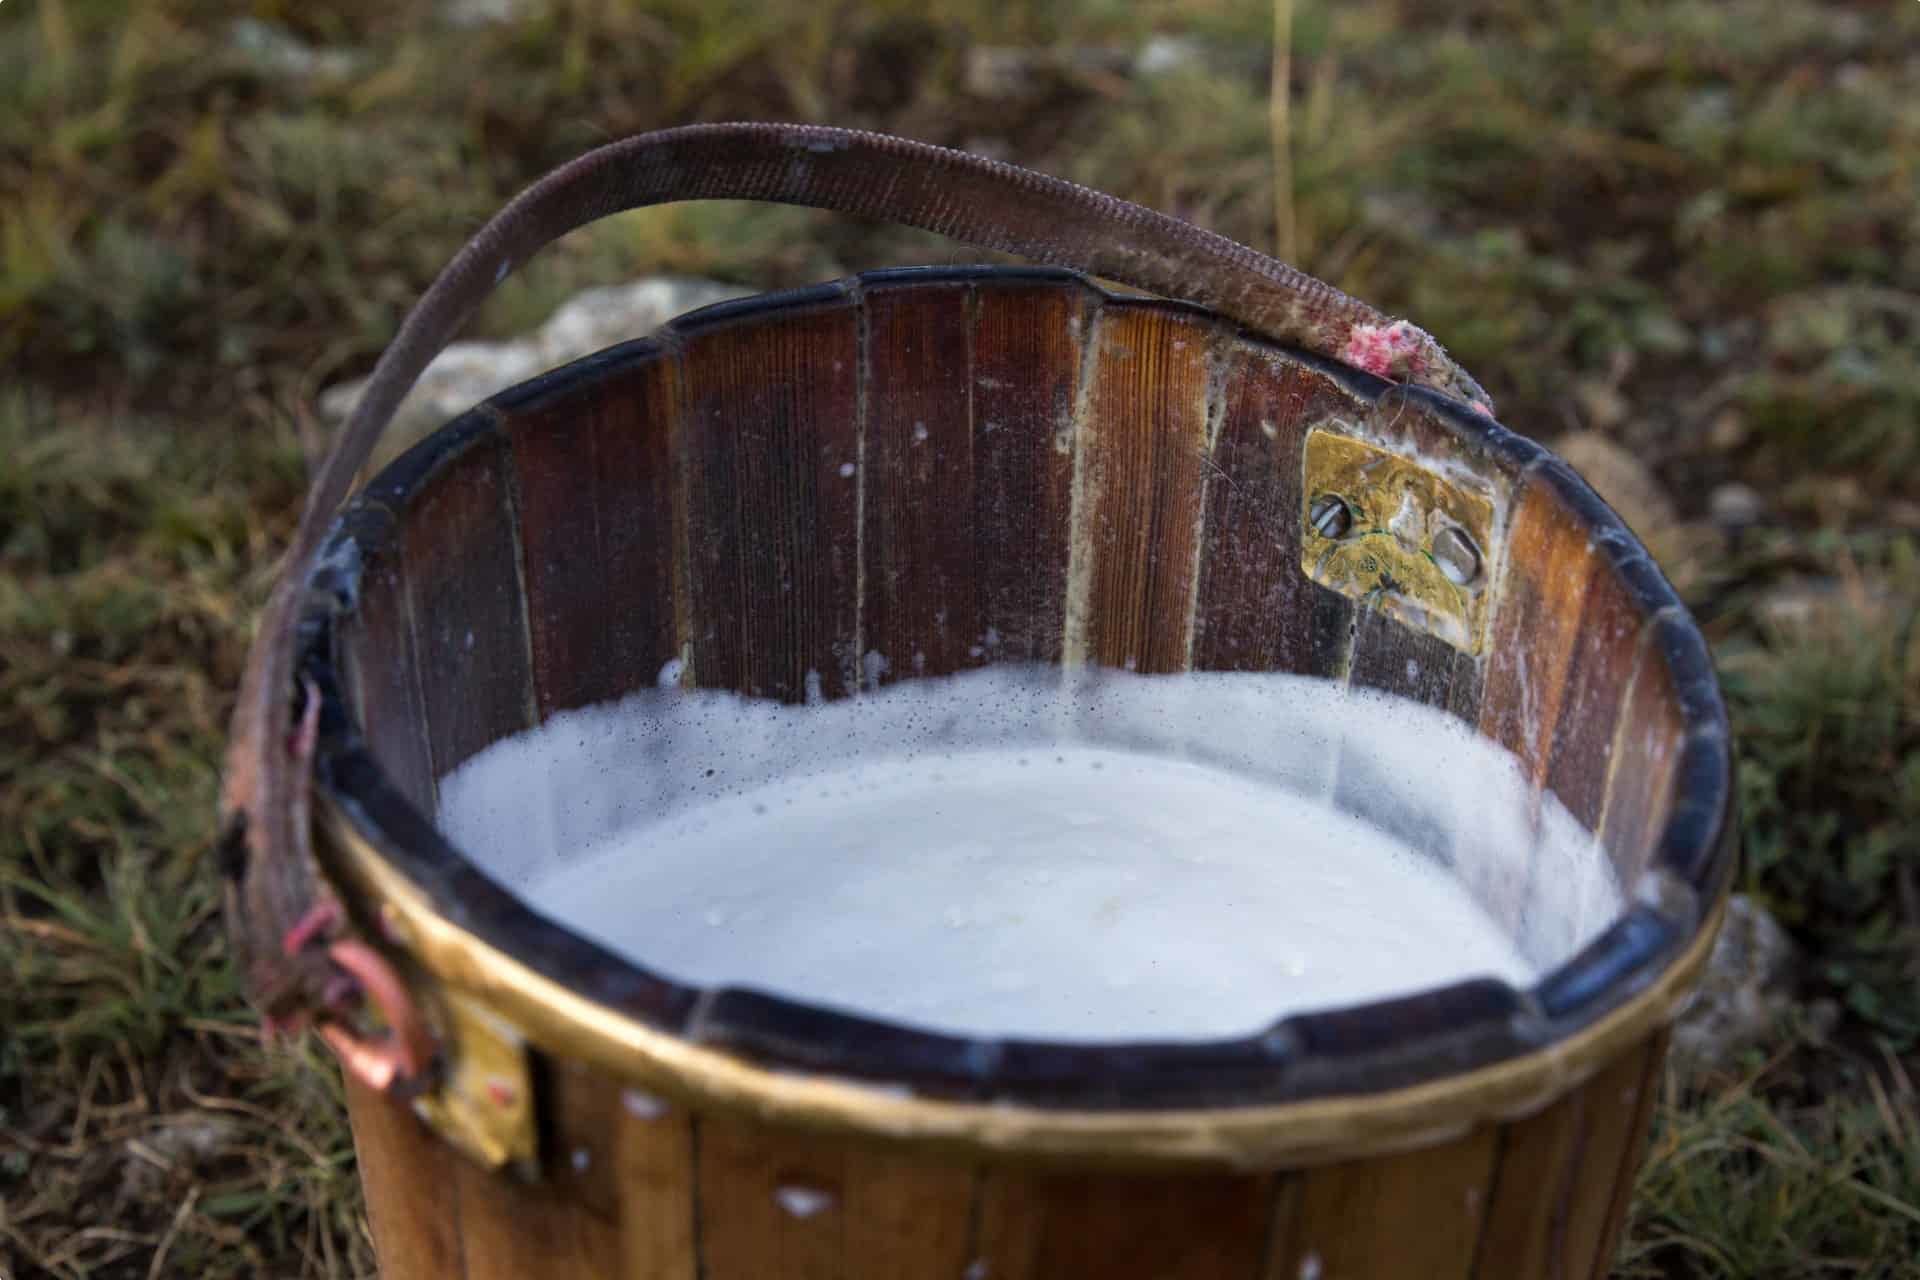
x: 1381, y: 528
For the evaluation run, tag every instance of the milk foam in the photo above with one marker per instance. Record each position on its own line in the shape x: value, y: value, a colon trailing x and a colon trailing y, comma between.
x: 1077, y: 855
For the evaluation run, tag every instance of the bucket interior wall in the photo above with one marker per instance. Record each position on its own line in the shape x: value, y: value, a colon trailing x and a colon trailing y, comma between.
x: 910, y: 476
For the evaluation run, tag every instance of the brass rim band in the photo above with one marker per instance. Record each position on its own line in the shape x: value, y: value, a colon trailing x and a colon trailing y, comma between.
x: 563, y: 1022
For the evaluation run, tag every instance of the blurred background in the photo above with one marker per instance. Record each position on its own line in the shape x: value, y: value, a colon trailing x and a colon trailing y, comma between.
x: 1679, y: 240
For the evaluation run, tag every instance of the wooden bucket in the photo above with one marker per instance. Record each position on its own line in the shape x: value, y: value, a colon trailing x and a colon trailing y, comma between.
x: 1008, y: 432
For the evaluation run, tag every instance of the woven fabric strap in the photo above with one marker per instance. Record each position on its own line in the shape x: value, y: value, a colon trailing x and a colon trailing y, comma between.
x: 281, y: 913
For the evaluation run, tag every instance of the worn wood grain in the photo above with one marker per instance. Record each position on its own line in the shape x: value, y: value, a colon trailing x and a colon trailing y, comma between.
x: 920, y: 612
x: 906, y: 1214
x: 770, y: 438
x: 1412, y: 1216
x: 513, y: 1230
x: 593, y: 461
x: 1397, y: 660
x: 1254, y: 610
x: 1530, y: 643
x: 772, y: 1202
x: 1535, y: 623
x: 468, y: 608
x: 581, y: 1134
x: 407, y: 1177
x: 1639, y: 1134
x: 1037, y: 1226
x: 1140, y: 457
x: 1598, y: 674
x: 1027, y: 341
x: 659, y: 1215
x: 383, y: 672
x: 1639, y: 784
x: 1558, y: 1173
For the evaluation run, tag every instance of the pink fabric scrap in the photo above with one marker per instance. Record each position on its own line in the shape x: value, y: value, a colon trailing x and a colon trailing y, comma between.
x: 1387, y: 350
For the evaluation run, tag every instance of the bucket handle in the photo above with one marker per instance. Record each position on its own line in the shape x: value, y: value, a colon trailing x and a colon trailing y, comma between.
x: 283, y: 917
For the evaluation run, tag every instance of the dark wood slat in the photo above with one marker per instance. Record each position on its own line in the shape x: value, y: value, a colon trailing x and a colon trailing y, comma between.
x: 1255, y: 610
x: 594, y: 462
x: 461, y: 561
x: 1531, y: 636
x: 1142, y: 459
x: 1530, y: 642
x: 784, y: 1203
x: 920, y: 613
x: 581, y: 1135
x: 1646, y: 748
x: 1560, y: 1171
x: 1413, y: 1216
x: 514, y: 1230
x: 383, y: 673
x: 654, y: 1154
x: 771, y: 1203
x: 771, y: 458
x: 906, y: 1215
x: 1604, y: 652
x: 1121, y: 1227
x: 1027, y: 357
x: 1398, y: 660
x: 406, y: 1174
x: 1469, y: 688
x: 1639, y: 1135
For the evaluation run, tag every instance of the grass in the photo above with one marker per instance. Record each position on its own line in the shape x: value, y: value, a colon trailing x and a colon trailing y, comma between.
x: 1741, y: 1182
x: 1699, y: 210
x: 1830, y: 725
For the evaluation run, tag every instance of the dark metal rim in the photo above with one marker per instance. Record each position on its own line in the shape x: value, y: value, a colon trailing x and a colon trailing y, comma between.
x: 1367, y: 1048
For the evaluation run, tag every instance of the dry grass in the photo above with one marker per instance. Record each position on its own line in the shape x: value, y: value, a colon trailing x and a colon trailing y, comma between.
x: 1687, y: 223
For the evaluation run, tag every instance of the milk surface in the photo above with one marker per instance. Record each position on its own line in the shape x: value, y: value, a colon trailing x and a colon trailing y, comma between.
x: 1025, y: 852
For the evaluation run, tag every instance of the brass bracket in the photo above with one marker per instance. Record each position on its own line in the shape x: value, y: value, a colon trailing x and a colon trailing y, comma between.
x: 480, y: 1099
x: 1379, y: 527
x: 484, y: 1105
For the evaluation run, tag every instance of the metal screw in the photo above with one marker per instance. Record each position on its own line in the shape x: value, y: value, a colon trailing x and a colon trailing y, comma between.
x: 1331, y: 516
x: 1457, y: 557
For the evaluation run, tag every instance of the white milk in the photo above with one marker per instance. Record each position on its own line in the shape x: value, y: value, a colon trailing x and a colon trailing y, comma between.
x: 1028, y: 852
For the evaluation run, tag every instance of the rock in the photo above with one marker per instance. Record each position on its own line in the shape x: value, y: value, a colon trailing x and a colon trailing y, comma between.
x: 175, y: 1148
x: 1620, y: 478
x: 1012, y: 72
x: 1631, y: 489
x: 481, y: 13
x: 1402, y: 218
x: 999, y: 73
x: 1746, y: 988
x: 597, y: 318
x: 1728, y: 431
x: 1821, y: 1019
x: 1805, y: 608
x: 1163, y: 54
x: 277, y: 51
x: 1829, y: 499
x: 459, y: 378
x: 1008, y: 72
x: 1603, y: 404
x: 1735, y: 506
x: 468, y: 372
